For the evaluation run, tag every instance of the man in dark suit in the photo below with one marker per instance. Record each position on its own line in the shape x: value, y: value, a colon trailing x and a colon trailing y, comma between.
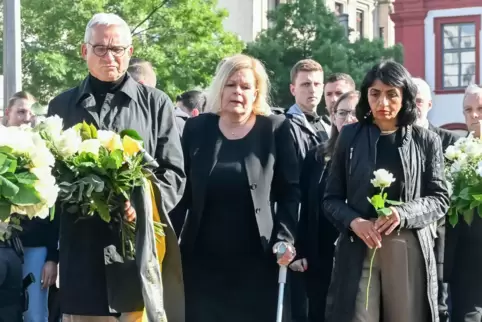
x: 110, y: 99
x: 424, y: 104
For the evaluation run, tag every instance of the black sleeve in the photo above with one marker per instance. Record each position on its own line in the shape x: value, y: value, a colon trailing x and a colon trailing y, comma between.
x: 285, y: 185
x: 169, y: 156
x: 179, y: 213
x: 53, y: 239
x: 334, y: 204
x: 434, y: 203
x: 308, y: 169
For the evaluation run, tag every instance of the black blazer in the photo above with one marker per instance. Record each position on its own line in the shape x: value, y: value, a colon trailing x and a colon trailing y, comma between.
x: 272, y: 171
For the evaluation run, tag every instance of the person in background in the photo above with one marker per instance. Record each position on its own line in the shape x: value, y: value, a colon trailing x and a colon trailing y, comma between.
x: 308, y: 129
x: 238, y: 157
x: 315, y: 244
x: 39, y: 237
x: 424, y: 104
x: 189, y: 104
x: 463, y: 262
x: 336, y: 85
x: 404, y: 283
x: 142, y: 71
x: 110, y: 99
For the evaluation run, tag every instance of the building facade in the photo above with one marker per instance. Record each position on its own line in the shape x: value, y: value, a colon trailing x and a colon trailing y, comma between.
x: 364, y: 18
x: 442, y: 44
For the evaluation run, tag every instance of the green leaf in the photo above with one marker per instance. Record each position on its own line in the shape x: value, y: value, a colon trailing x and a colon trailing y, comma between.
x: 3, y: 158
x: 453, y: 217
x: 468, y: 217
x: 384, y: 212
x: 26, y: 195
x: 27, y: 178
x: 13, y: 166
x: 377, y: 201
x: 52, y: 213
x: 132, y: 133
x: 464, y: 194
x: 93, y: 131
x: 7, y: 188
x: 6, y: 150
x: 5, y: 208
x: 85, y: 131
x: 101, y: 207
x: 477, y: 197
x: 393, y: 202
x: 114, y: 160
x: 474, y: 204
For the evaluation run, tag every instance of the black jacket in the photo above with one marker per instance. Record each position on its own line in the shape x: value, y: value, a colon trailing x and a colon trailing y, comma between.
x: 316, y: 233
x: 448, y: 138
x: 425, y: 196
x: 272, y: 171
x: 134, y: 106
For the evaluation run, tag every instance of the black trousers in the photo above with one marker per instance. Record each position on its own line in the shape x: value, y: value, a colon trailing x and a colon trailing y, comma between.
x: 11, y: 308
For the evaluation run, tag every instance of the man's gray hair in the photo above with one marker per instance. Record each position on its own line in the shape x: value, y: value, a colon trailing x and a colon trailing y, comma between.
x: 107, y: 19
x: 423, y: 87
x: 472, y: 89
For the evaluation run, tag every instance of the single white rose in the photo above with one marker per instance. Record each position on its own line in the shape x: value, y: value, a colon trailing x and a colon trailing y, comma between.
x: 68, y: 143
x: 90, y: 146
x: 383, y: 179
x: 53, y: 125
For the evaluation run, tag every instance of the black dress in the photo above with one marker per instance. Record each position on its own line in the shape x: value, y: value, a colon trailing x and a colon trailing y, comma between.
x: 228, y: 277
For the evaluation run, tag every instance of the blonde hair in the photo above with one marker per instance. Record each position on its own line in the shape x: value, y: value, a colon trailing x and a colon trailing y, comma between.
x: 305, y: 65
x: 226, y: 69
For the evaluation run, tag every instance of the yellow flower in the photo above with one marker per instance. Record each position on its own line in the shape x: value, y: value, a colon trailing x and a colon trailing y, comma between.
x: 131, y: 146
x: 110, y: 140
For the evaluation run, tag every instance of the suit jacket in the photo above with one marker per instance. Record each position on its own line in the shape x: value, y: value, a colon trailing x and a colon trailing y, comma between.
x: 134, y: 106
x: 272, y: 171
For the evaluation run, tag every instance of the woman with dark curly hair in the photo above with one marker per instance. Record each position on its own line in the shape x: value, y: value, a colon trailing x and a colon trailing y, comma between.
x: 403, y: 286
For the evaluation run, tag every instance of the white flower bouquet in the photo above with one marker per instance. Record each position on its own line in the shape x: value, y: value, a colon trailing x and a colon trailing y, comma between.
x: 27, y: 186
x: 463, y: 170
x: 97, y: 172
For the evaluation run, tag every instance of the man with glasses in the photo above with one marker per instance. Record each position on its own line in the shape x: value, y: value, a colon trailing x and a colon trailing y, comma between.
x: 111, y: 99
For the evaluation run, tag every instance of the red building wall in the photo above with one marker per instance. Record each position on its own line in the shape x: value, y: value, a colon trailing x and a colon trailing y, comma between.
x: 409, y: 18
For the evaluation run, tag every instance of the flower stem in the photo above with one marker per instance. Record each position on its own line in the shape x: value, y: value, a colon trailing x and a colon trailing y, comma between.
x: 370, y: 277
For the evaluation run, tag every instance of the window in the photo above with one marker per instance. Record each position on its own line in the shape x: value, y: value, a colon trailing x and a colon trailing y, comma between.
x: 338, y: 8
x: 360, y: 20
x: 457, y: 50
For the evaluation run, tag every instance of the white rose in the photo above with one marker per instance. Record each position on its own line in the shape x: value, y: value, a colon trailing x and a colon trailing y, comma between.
x: 452, y: 153
x: 53, y: 125
x: 45, y: 185
x: 383, y: 179
x: 473, y: 149
x: 68, y: 143
x: 39, y: 210
x: 109, y: 140
x: 19, y: 140
x: 458, y: 165
x: 90, y: 146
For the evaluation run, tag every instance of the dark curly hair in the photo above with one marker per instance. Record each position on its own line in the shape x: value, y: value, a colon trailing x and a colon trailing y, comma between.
x: 393, y: 74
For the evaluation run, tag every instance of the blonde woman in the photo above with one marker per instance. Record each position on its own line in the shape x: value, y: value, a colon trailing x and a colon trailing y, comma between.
x: 238, y: 159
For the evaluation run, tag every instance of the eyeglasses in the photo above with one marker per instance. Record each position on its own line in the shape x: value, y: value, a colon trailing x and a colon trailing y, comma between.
x: 101, y: 50
x: 343, y: 114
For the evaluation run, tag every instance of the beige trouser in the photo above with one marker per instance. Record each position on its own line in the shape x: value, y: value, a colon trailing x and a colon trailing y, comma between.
x: 125, y: 317
x: 398, y: 288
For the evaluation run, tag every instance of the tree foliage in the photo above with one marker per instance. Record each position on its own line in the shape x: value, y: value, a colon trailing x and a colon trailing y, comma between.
x: 307, y: 29
x: 183, y: 39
